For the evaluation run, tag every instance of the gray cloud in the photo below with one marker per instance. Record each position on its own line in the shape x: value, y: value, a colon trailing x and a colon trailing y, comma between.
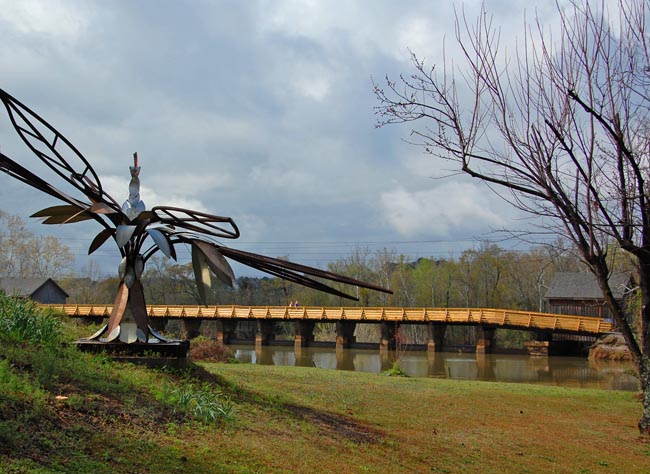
x: 258, y: 110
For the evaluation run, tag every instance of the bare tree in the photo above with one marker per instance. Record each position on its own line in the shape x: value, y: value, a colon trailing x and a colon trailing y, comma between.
x: 22, y: 254
x: 558, y: 126
x: 49, y: 257
x: 14, y: 236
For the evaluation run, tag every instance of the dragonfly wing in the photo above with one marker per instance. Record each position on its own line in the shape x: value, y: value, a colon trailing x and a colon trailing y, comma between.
x: 195, y: 221
x: 286, y: 270
x: 55, y: 150
x: 99, y: 239
x: 13, y: 169
x: 293, y: 276
x: 201, y: 273
x: 64, y: 214
x: 248, y: 258
x: 216, y: 261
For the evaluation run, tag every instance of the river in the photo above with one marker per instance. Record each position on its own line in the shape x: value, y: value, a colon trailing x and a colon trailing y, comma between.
x: 560, y: 371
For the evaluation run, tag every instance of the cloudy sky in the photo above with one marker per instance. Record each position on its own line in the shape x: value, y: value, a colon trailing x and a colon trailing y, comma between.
x: 258, y: 110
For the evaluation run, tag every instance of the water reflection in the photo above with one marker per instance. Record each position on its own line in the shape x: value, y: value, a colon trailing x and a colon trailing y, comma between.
x: 562, y: 371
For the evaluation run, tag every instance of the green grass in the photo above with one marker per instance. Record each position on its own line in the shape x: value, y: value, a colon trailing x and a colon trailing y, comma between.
x: 65, y: 411
x: 62, y: 410
x: 21, y: 321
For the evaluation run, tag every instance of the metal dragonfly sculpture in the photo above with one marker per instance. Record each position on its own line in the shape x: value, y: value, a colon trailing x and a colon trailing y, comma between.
x: 140, y: 233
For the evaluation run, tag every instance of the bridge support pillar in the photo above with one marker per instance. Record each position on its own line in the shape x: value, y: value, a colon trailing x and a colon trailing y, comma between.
x: 435, y: 336
x: 345, y: 333
x: 541, y: 345
x: 264, y: 332
x: 225, y: 330
x: 537, y: 348
x: 485, y: 341
x: 388, y: 332
x: 191, y: 328
x: 159, y: 324
x: 304, y: 332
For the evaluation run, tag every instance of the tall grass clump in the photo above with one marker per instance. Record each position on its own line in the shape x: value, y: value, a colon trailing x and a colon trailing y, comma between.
x: 22, y: 321
x: 201, y: 402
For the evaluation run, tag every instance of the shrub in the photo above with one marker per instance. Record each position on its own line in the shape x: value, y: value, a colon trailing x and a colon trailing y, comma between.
x: 396, y: 371
x: 610, y: 347
x: 208, y: 350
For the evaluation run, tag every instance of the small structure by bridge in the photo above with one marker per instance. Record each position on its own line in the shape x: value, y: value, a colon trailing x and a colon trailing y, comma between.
x: 304, y: 320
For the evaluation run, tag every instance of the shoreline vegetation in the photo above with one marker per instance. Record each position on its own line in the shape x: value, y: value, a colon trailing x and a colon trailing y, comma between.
x: 65, y: 411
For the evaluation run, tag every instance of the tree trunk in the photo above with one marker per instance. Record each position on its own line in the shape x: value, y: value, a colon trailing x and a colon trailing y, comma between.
x: 644, y: 360
x: 644, y: 375
x: 640, y: 352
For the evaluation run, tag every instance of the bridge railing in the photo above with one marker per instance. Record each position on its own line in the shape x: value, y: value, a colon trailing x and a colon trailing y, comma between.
x: 461, y: 316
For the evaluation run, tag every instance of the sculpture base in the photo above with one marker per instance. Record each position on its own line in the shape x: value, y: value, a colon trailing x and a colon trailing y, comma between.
x: 173, y: 354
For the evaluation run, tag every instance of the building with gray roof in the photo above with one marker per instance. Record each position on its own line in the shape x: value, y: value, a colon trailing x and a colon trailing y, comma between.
x: 578, y: 293
x: 41, y: 290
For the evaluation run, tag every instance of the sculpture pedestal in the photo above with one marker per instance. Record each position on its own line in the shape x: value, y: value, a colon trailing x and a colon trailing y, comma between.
x: 173, y: 354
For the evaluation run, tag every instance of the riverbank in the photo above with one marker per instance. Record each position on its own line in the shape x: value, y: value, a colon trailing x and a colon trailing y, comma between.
x: 547, y: 370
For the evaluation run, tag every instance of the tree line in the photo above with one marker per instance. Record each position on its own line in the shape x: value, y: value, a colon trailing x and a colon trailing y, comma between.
x: 487, y: 276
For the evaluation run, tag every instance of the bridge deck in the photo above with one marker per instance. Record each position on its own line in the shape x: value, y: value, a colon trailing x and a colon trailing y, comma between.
x: 460, y: 316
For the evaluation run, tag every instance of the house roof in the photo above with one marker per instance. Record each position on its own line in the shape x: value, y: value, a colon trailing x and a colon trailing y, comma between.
x: 583, y: 286
x: 25, y: 286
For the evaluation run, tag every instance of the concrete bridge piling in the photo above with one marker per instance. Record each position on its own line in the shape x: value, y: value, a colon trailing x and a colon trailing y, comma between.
x: 485, y: 342
x: 436, y: 336
x: 345, y: 334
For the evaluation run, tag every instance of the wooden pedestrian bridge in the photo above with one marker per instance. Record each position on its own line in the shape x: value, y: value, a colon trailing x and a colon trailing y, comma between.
x: 346, y: 318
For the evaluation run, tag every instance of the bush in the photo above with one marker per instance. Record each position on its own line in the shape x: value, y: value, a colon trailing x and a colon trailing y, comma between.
x: 610, y: 347
x: 396, y: 371
x: 208, y: 350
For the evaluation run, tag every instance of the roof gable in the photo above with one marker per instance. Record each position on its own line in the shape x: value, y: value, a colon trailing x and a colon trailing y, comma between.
x: 584, y: 286
x: 26, y: 286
